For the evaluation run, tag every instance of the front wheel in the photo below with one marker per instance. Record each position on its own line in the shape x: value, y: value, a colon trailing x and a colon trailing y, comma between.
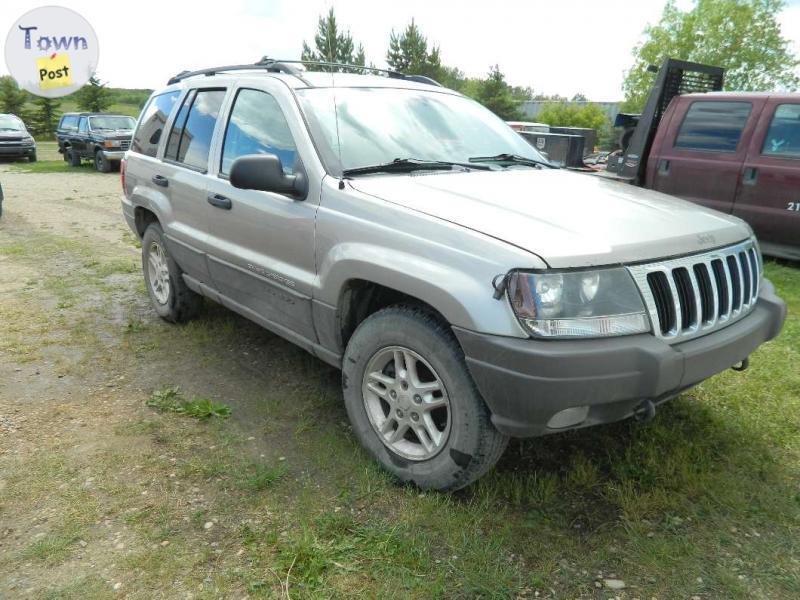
x: 413, y: 404
x: 101, y: 163
x: 32, y: 157
x: 171, y: 297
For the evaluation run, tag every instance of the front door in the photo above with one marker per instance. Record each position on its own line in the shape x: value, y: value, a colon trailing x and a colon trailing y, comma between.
x: 769, y: 195
x: 261, y: 256
x: 702, y: 153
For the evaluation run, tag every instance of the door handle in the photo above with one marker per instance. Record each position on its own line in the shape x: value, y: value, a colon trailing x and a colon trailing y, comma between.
x: 750, y: 176
x: 160, y: 180
x: 663, y: 167
x: 219, y: 201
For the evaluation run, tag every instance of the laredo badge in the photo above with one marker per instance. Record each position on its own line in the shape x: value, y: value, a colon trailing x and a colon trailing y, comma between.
x: 51, y: 51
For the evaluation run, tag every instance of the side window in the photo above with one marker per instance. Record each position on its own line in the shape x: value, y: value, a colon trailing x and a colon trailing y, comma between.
x: 69, y: 122
x: 783, y: 136
x: 194, y: 137
x: 713, y: 126
x: 177, y: 128
x: 257, y: 126
x: 151, y: 123
x: 82, y: 125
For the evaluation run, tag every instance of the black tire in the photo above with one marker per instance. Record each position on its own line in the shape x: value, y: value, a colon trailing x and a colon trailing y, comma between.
x: 32, y: 157
x: 101, y: 163
x: 74, y: 158
x: 181, y: 304
x: 473, y: 445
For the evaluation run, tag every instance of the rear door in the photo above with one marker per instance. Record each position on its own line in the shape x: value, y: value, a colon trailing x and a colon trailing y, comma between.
x: 182, y: 174
x: 769, y: 195
x: 78, y: 138
x: 703, y: 151
x: 261, y: 254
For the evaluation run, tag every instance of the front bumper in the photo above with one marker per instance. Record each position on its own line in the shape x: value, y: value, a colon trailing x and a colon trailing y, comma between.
x: 8, y: 151
x: 113, y: 154
x: 528, y: 383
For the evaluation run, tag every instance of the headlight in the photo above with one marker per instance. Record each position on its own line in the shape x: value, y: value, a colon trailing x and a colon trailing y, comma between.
x: 599, y: 303
x: 111, y: 143
x: 28, y: 141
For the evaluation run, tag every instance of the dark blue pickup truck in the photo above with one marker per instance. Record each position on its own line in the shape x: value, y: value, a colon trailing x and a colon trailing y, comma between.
x: 99, y: 137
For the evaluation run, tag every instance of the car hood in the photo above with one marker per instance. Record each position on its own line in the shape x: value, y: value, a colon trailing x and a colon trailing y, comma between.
x: 13, y: 134
x: 566, y: 218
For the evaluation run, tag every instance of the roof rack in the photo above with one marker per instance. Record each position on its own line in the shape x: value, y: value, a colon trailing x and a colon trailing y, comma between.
x: 285, y: 66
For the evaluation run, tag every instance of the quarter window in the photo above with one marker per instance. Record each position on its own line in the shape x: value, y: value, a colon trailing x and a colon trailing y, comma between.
x: 257, y: 126
x: 783, y: 136
x: 151, y: 123
x: 194, y: 136
x: 715, y: 126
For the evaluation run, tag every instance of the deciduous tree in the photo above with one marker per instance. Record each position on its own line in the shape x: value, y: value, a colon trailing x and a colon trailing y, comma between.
x: 12, y: 98
x: 743, y: 36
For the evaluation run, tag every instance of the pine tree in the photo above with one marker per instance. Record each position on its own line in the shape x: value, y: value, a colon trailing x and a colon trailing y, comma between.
x: 94, y: 96
x: 408, y: 53
x: 332, y: 45
x: 12, y: 99
x: 44, y: 116
x: 495, y: 94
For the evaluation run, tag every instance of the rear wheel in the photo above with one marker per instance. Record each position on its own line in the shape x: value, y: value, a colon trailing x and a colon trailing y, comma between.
x: 74, y: 158
x: 413, y: 404
x: 101, y: 163
x: 171, y: 297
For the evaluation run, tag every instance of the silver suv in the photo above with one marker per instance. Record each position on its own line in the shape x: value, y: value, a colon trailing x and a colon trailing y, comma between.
x: 468, y: 291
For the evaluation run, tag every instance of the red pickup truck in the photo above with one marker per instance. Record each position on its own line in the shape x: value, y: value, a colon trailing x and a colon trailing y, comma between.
x: 738, y: 153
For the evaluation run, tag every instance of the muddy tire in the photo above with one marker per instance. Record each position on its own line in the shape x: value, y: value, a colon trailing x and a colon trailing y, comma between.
x: 73, y: 158
x: 163, y: 278
x: 413, y: 404
x: 101, y: 163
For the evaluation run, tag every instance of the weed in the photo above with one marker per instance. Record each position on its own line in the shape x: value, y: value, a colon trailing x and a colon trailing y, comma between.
x: 170, y: 399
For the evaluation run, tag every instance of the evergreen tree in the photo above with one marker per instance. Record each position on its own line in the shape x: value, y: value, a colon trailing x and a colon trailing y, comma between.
x: 408, y: 53
x: 12, y: 99
x: 94, y: 96
x: 332, y: 45
x: 44, y: 116
x: 496, y: 95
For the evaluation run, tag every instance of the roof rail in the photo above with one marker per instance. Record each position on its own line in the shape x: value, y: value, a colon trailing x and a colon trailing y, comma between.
x: 284, y: 66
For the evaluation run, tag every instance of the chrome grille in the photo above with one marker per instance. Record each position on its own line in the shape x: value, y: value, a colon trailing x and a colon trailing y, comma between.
x: 693, y: 295
x: 124, y: 144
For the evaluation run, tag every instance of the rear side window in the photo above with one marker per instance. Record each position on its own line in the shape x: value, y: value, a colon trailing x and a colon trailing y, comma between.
x: 194, y: 139
x: 83, y: 125
x: 151, y: 123
x: 257, y: 126
x: 715, y: 126
x: 69, y: 122
x: 783, y: 136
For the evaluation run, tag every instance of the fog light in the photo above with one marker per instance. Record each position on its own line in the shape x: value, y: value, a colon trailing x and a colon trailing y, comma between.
x: 569, y: 417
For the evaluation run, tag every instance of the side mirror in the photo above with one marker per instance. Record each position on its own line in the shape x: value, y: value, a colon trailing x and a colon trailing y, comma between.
x: 265, y: 172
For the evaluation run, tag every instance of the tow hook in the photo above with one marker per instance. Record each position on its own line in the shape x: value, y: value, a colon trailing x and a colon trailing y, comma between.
x: 742, y: 365
x: 645, y: 411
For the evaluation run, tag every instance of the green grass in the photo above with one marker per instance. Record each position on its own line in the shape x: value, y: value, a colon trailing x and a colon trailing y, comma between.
x: 702, y: 501
x: 170, y: 399
x: 55, y: 166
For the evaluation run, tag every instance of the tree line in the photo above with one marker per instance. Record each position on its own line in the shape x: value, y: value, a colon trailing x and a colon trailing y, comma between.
x: 743, y: 36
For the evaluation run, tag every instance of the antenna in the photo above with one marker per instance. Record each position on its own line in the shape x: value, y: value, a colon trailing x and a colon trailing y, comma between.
x: 332, y: 59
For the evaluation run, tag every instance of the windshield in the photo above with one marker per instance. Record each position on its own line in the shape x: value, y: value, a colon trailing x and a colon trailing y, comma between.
x: 11, y: 124
x: 112, y: 122
x: 379, y: 125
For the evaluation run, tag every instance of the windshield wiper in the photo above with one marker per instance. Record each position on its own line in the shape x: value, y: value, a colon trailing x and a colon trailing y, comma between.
x: 407, y: 165
x: 514, y: 159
